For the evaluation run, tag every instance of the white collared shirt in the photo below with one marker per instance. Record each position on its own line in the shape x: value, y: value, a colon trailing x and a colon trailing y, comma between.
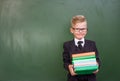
x: 76, y: 41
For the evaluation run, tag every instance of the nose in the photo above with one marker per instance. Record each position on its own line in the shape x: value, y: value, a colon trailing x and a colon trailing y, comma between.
x: 80, y: 30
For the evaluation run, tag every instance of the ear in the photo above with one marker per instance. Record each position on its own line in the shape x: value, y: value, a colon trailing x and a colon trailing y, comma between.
x: 71, y: 30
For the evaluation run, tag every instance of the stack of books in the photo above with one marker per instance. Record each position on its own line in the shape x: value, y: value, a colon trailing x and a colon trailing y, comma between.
x: 84, y: 63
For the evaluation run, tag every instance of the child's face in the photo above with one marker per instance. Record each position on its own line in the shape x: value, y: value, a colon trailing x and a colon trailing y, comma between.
x: 79, y: 30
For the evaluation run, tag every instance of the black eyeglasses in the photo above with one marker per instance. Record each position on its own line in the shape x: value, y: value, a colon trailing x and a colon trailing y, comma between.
x: 80, y: 29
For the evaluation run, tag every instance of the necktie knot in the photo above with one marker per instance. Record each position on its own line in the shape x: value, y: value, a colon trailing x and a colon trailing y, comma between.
x: 80, y: 42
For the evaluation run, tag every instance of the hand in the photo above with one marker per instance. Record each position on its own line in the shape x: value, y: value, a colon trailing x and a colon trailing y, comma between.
x: 95, y: 72
x: 71, y: 70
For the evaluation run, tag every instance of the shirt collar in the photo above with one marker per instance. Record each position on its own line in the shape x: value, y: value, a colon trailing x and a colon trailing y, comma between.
x: 76, y: 41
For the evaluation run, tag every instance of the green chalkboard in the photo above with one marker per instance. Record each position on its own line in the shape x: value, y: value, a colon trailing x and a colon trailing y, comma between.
x: 32, y: 33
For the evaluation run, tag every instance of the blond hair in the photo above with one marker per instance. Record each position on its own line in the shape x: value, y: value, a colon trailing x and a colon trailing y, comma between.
x: 78, y: 19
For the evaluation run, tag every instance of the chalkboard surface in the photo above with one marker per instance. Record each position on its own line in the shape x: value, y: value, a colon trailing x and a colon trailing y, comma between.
x: 32, y: 33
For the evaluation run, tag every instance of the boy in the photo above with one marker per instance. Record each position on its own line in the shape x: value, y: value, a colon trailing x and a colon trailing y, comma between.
x: 79, y: 30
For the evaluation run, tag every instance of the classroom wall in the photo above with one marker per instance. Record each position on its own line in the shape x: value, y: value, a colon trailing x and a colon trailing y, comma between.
x: 32, y: 33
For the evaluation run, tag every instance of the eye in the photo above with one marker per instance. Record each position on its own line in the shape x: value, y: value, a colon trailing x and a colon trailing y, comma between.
x: 77, y: 29
x: 82, y: 28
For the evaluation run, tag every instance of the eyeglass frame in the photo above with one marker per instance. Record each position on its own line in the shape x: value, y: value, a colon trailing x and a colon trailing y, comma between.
x: 80, y: 29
